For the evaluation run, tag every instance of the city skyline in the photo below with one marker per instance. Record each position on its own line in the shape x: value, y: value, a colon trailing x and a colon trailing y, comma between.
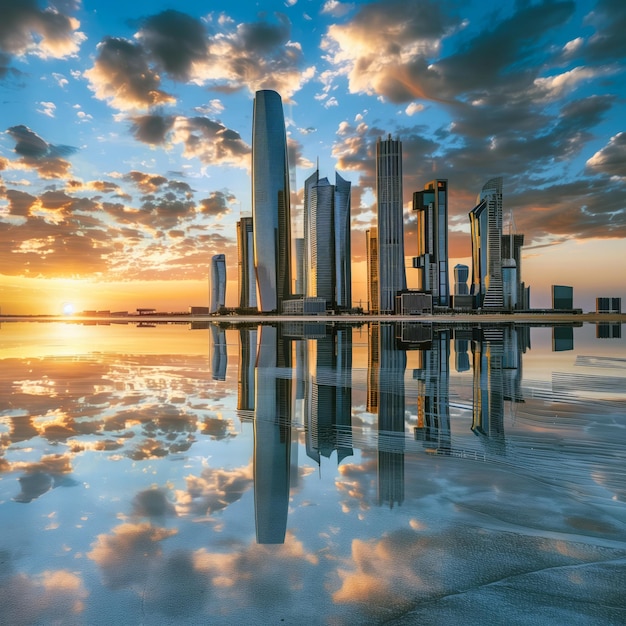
x: 125, y: 159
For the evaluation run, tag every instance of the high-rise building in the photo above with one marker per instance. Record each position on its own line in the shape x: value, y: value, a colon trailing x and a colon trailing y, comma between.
x: 270, y: 202
x: 300, y: 268
x: 461, y: 274
x: 245, y: 263
x: 391, y: 270
x: 486, y: 229
x: 562, y: 297
x: 512, y: 249
x: 218, y: 283
x: 327, y: 240
x: 431, y: 207
x: 343, y: 248
x: 371, y: 247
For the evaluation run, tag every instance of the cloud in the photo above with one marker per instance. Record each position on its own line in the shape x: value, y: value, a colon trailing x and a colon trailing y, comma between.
x: 216, y: 205
x: 607, y: 43
x: 39, y: 155
x: 122, y: 76
x: 255, y: 55
x: 336, y: 8
x: 385, y: 46
x: 414, y: 108
x: 125, y: 557
x: 27, y: 29
x: 175, y: 42
x: 49, y: 597
x: 610, y: 160
x: 152, y: 129
x: 29, y: 144
x: 47, y: 108
x: 213, y: 491
x: 211, y: 142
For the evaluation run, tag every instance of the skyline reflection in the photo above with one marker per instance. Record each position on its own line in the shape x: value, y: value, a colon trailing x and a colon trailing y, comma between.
x: 355, y: 463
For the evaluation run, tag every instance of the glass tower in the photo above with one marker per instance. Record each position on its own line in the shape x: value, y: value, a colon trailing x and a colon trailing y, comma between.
x: 431, y: 207
x: 218, y: 283
x: 245, y: 263
x: 486, y: 229
x: 391, y: 271
x: 270, y: 202
x: 371, y: 246
x: 327, y: 240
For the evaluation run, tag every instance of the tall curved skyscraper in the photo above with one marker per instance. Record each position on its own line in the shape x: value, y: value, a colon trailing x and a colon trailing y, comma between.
x: 270, y: 202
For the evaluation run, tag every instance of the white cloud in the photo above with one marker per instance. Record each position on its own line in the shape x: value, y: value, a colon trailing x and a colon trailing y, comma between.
x: 337, y: 9
x: 414, y: 108
x: 47, y: 108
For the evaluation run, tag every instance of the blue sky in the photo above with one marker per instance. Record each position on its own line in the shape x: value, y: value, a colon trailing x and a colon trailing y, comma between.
x: 125, y: 147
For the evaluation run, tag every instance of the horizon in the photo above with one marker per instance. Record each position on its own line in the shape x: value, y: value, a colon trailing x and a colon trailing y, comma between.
x: 125, y: 157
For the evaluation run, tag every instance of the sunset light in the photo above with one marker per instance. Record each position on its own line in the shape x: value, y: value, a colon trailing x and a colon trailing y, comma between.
x: 125, y: 156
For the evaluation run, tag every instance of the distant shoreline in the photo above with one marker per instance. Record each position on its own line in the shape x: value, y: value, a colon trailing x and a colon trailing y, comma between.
x: 481, y: 318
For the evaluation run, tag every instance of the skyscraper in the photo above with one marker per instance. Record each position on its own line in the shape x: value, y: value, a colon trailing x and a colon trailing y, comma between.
x: 327, y: 240
x: 431, y: 207
x: 270, y: 202
x: 512, y: 249
x: 461, y: 274
x: 343, y: 249
x: 218, y: 283
x: 371, y: 247
x: 245, y: 263
x: 486, y: 229
x: 300, y: 270
x: 391, y: 271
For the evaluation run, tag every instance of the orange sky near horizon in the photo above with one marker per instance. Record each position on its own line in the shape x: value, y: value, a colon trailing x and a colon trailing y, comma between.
x: 590, y: 266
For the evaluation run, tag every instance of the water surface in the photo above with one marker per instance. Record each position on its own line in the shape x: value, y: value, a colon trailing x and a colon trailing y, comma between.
x: 346, y: 474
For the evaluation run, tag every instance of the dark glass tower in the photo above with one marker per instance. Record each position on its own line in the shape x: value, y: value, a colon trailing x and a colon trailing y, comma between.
x: 391, y: 271
x: 431, y: 207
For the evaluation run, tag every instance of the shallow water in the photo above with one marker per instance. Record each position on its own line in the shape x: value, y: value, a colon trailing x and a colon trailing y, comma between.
x: 382, y: 473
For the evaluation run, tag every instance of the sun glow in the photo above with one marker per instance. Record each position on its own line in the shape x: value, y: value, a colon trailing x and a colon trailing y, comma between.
x: 68, y: 308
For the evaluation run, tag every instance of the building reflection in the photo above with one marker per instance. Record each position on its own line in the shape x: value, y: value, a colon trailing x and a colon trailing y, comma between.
x: 433, y: 398
x: 562, y: 338
x: 247, y: 362
x: 217, y: 349
x: 497, y: 370
x: 328, y: 395
x: 272, y: 435
x: 608, y: 330
x: 391, y: 438
x: 308, y: 366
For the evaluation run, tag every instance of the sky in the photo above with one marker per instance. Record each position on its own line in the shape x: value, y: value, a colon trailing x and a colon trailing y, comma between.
x: 125, y: 144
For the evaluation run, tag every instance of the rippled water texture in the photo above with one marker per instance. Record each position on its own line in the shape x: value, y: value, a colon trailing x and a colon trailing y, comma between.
x: 326, y: 473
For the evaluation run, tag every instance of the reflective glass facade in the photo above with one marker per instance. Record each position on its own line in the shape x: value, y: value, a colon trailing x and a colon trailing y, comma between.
x: 486, y: 230
x: 218, y: 283
x: 270, y: 202
x: 391, y: 271
x: 327, y: 240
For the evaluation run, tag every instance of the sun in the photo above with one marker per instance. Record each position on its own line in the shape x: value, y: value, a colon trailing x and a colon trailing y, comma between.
x: 68, y: 308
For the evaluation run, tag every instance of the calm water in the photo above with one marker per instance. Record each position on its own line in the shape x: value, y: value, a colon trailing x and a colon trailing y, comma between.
x: 336, y: 474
